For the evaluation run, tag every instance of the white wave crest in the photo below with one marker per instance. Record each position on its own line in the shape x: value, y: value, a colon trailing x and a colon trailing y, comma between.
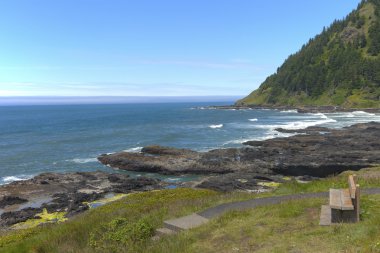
x: 10, y: 179
x: 289, y: 111
x: 344, y: 115
x: 305, y: 124
x: 362, y: 113
x: 134, y: 150
x: 216, y: 126
x: 269, y: 135
x: 321, y: 115
x: 253, y: 120
x: 295, y: 125
x: 84, y: 160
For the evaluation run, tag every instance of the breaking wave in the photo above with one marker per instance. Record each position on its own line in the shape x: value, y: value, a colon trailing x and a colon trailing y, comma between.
x: 84, y: 160
x: 134, y: 150
x: 10, y: 179
x: 269, y: 135
x: 321, y: 115
x: 295, y: 125
x: 289, y: 111
x: 216, y: 126
x: 361, y: 113
x: 305, y: 124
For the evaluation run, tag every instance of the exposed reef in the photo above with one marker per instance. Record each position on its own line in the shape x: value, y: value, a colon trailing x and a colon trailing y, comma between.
x: 68, y: 193
x: 314, y: 152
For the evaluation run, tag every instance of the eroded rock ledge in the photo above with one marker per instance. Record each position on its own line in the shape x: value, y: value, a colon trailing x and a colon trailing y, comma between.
x: 314, y: 152
x: 68, y: 192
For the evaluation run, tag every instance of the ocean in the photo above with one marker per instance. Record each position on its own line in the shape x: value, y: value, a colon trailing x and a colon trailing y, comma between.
x: 67, y: 138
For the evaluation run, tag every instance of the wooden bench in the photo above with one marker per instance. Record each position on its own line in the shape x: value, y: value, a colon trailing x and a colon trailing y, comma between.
x: 344, y: 204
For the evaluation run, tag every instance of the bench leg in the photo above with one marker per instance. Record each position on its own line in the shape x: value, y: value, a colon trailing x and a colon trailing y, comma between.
x: 325, y: 219
x: 346, y: 216
x: 357, y: 204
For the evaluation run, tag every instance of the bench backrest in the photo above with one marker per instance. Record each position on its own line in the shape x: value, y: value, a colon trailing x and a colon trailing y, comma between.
x: 355, y: 194
x: 352, y: 186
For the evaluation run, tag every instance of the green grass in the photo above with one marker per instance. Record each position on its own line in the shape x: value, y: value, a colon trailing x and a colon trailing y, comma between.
x: 367, y: 178
x: 288, y: 227
x: 127, y: 225
x: 121, y: 226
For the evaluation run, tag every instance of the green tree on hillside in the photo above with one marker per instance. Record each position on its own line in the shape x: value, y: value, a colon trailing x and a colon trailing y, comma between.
x: 340, y: 66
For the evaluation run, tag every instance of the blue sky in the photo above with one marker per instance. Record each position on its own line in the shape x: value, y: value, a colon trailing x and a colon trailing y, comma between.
x: 152, y: 48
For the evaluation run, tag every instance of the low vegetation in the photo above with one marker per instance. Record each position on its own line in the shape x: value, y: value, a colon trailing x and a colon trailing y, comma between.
x: 128, y: 224
x: 367, y: 178
x: 290, y: 227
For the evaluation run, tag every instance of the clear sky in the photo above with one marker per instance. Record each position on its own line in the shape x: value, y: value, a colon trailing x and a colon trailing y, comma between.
x: 152, y: 47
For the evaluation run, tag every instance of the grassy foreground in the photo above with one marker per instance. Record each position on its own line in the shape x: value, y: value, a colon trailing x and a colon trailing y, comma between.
x: 127, y: 225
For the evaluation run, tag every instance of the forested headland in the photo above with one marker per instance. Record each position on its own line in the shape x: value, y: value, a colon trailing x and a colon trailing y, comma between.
x: 340, y: 66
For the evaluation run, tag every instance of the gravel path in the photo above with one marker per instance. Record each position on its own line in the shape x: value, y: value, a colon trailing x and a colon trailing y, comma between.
x: 219, y: 210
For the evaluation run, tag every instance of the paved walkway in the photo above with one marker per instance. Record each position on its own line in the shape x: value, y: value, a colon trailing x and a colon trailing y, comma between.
x: 195, y: 220
x: 252, y: 203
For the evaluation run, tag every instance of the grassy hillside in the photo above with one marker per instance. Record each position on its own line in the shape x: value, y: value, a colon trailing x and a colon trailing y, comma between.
x: 340, y: 66
x: 127, y: 225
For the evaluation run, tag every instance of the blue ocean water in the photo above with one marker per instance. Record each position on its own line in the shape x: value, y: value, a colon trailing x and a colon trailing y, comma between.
x: 61, y: 138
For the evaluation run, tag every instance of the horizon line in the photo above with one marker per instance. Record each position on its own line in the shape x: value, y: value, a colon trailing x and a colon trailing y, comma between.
x: 112, y: 96
x: 77, y: 100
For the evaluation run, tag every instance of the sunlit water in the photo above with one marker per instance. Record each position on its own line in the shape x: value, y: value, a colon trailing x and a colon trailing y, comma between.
x: 61, y: 138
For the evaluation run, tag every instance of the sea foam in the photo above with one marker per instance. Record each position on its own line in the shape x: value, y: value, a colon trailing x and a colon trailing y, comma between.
x: 296, y: 125
x: 84, y: 160
x: 321, y: 115
x: 289, y: 111
x: 216, y: 126
x: 305, y: 124
x: 134, y: 150
x: 361, y: 113
x: 271, y: 134
x: 10, y: 179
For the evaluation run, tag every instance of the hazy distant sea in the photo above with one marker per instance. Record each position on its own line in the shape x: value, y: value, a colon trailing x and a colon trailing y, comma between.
x: 60, y: 138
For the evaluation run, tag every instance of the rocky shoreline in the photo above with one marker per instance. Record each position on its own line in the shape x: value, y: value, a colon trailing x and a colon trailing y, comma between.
x: 312, y: 152
x: 259, y: 166
x: 66, y: 192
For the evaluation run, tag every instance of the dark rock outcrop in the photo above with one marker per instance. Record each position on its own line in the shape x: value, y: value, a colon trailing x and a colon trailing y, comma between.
x: 172, y: 161
x: 317, y: 152
x: 11, y: 200
x: 10, y: 218
x: 240, y: 181
x: 322, y: 152
x: 66, y: 192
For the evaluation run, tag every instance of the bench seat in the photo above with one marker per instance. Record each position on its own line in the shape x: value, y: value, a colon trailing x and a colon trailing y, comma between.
x: 344, y: 204
x: 341, y: 199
